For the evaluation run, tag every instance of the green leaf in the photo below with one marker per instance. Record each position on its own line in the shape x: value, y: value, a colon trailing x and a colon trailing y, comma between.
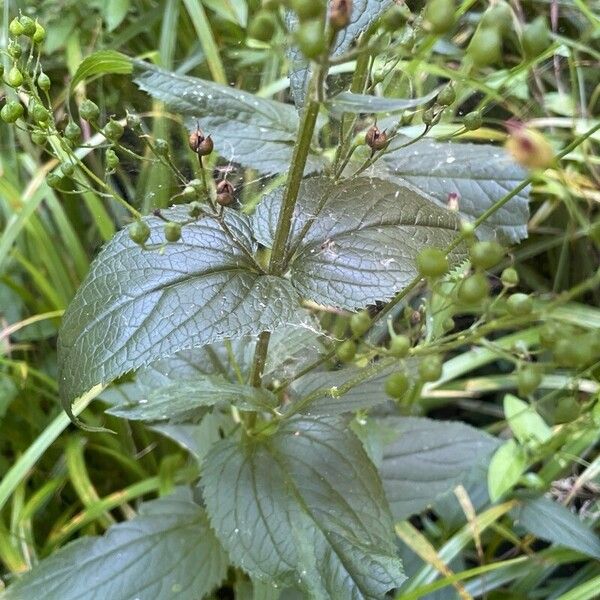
x: 136, y: 306
x: 364, y: 103
x: 115, y: 12
x: 103, y: 62
x: 179, y: 399
x: 525, y: 422
x: 506, y: 466
x: 252, y: 131
x: 235, y: 11
x: 480, y: 175
x: 304, y: 507
x: 555, y: 523
x: 356, y: 243
x: 167, y: 551
x: 428, y: 459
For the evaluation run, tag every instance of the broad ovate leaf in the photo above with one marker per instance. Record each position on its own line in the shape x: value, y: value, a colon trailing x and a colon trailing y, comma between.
x: 137, y: 306
x: 525, y: 422
x: 305, y: 507
x: 355, y: 243
x: 477, y: 174
x: 428, y: 459
x: 252, y: 131
x: 167, y: 551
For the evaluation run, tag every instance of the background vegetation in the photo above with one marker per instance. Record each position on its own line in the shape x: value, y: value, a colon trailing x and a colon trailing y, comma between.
x: 59, y: 482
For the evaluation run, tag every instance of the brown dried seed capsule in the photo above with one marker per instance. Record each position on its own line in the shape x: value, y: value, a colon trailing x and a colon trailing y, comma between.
x: 200, y: 144
x: 225, y: 193
x: 340, y: 12
x: 376, y: 139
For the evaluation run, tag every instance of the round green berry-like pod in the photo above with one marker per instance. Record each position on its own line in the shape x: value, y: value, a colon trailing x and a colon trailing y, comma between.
x: 395, y: 17
x: 39, y: 138
x: 396, y: 385
x: 263, y: 26
x: 139, y: 232
x: 67, y: 169
x: 439, y: 15
x: 509, y: 277
x: 473, y: 120
x: 113, y: 130
x: 73, y: 132
x: 400, y: 346
x: 161, y: 146
x: 528, y: 380
x: 14, y: 77
x: 310, y: 38
x: 519, y: 305
x: 430, y: 368
x: 448, y: 324
x: 536, y: 38
x: 40, y: 34
x: 485, y: 47
x: 307, y: 9
x: 14, y: 49
x: 500, y: 16
x: 360, y: 323
x: 172, y: 232
x: 39, y: 113
x: 44, y: 82
x: 473, y: 289
x: 447, y: 96
x: 28, y: 25
x: 550, y: 333
x: 112, y: 160
x: 346, y: 351
x: 432, y: 262
x: 15, y: 28
x: 11, y: 111
x: 54, y: 179
x: 485, y: 255
x: 573, y: 352
x: 89, y: 110
x: 567, y: 410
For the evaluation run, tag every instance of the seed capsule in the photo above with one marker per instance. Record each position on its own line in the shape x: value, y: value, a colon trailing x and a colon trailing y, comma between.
x: 73, y: 132
x: 376, y: 139
x: 14, y: 78
x: 28, y: 25
x: 11, y: 111
x: 39, y: 35
x: 15, y: 28
x: 112, y: 160
x: 225, y: 193
x: 113, y: 130
x: 89, y: 110
x: 43, y: 82
x: 14, y: 49
x: 172, y: 232
x: 200, y: 144
x: 139, y: 232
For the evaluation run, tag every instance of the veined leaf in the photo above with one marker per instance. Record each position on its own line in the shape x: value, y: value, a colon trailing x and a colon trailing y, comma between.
x: 103, y: 62
x: 428, y: 459
x: 167, y: 551
x: 479, y: 174
x: 364, y: 103
x: 363, y: 245
x: 255, y: 132
x: 527, y: 425
x: 304, y: 506
x: 137, y: 306
x: 555, y: 523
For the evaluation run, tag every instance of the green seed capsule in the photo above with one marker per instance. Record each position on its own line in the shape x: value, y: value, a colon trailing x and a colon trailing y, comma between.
x: 73, y: 132
x: 499, y: 16
x: 195, y: 209
x: 346, y: 351
x: 15, y: 28
x: 311, y: 39
x: 536, y: 38
x: 485, y: 255
x: 113, y: 130
x: 509, y: 277
x: 432, y: 262
x: 68, y: 169
x: 11, y: 111
x: 54, y: 179
x: 28, y: 25
x: 430, y: 368
x: 360, y: 323
x: 485, y: 47
x: 528, y: 380
x: 14, y: 50
x: 474, y: 289
x: 396, y: 17
x: 262, y: 27
x: 39, y: 114
x: 112, y: 160
x: 519, y: 305
x: 89, y: 110
x: 396, y: 385
x: 307, y: 9
x: 439, y: 15
x: 428, y: 116
x: 14, y: 77
x: 473, y: 120
x: 43, y: 82
x: 139, y: 232
x: 172, y: 232
x: 399, y: 346
x: 161, y: 146
x: 40, y: 34
x: 447, y: 96
x: 39, y: 138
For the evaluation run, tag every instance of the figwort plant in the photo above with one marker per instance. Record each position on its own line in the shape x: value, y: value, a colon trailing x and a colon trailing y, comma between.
x: 301, y: 336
